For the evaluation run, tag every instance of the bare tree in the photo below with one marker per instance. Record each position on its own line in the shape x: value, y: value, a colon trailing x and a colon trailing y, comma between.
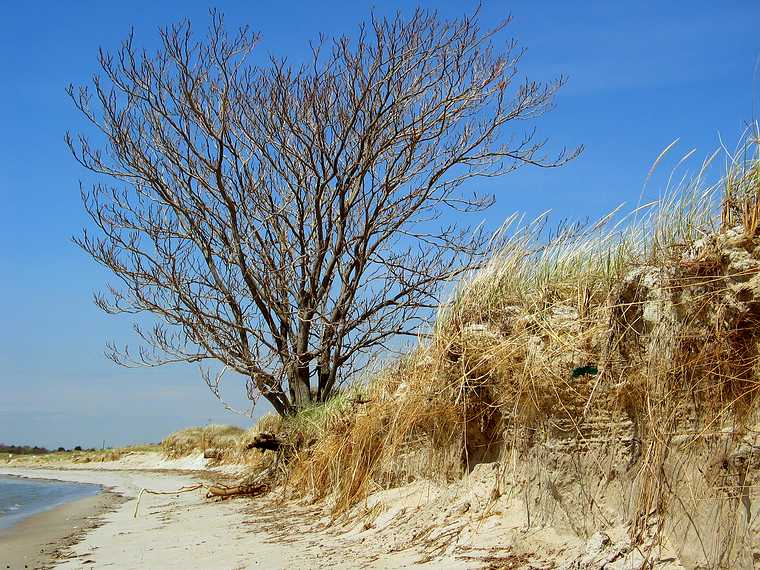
x: 287, y: 222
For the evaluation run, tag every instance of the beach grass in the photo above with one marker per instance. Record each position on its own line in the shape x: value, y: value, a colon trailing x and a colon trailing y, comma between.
x: 641, y: 319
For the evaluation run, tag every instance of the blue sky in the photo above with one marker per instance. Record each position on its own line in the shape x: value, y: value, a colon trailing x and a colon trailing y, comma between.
x: 640, y: 75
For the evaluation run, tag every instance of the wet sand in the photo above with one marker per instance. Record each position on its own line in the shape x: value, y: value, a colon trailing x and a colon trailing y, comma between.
x: 38, y: 540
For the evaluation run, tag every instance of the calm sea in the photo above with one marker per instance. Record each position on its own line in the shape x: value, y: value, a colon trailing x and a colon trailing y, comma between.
x: 20, y: 498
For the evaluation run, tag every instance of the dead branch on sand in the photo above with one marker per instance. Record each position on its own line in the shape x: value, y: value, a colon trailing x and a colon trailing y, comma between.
x: 225, y: 492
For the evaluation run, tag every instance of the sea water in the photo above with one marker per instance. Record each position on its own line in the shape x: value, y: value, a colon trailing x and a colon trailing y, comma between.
x: 20, y: 498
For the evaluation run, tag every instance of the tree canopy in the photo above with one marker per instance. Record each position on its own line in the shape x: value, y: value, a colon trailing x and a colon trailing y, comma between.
x: 288, y: 221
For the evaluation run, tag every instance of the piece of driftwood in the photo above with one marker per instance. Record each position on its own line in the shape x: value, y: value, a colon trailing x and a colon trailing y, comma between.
x: 265, y: 441
x: 177, y: 492
x: 219, y: 490
x: 224, y: 492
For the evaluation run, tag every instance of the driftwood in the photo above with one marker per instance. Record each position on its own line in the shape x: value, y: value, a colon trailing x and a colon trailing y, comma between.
x: 224, y: 492
x: 251, y: 489
x: 265, y: 441
x: 177, y: 492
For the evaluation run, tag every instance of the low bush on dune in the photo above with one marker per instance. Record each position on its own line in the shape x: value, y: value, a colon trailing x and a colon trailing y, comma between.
x: 201, y: 439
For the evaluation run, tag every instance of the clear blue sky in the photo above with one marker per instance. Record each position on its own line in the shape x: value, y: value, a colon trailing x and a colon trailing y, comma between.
x: 640, y: 75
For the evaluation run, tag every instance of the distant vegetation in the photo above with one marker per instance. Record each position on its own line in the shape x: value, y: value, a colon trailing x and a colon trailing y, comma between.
x: 40, y: 455
x: 36, y: 450
x: 23, y: 449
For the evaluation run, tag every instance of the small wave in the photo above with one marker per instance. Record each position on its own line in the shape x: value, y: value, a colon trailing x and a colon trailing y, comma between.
x: 20, y: 498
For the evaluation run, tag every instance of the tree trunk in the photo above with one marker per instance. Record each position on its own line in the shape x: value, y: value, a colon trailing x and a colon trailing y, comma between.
x: 279, y: 403
x: 300, y: 388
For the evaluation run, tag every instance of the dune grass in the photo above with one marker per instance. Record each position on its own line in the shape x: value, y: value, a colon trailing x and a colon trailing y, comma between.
x: 201, y: 439
x: 500, y: 366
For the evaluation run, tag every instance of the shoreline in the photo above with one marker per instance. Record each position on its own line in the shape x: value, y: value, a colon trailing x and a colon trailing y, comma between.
x: 18, y: 519
x: 181, y: 530
x: 36, y: 541
x: 185, y: 530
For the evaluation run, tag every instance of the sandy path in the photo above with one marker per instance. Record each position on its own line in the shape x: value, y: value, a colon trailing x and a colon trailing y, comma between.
x: 187, y: 531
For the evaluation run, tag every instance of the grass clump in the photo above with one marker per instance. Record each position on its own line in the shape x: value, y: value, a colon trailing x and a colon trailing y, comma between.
x: 407, y: 425
x: 741, y: 201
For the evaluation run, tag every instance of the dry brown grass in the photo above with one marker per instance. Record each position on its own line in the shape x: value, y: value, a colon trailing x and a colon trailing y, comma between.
x: 200, y: 439
x: 223, y: 443
x: 651, y: 301
x: 410, y: 428
x: 741, y: 201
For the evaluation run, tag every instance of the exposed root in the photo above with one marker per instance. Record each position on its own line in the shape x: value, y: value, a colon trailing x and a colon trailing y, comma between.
x: 265, y: 442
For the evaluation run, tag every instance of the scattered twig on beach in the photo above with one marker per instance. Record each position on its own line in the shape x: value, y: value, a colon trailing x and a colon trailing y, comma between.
x: 185, y: 489
x: 249, y: 488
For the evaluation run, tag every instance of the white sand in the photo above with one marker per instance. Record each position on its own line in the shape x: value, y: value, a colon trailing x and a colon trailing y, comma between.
x: 422, y: 525
x: 188, y: 531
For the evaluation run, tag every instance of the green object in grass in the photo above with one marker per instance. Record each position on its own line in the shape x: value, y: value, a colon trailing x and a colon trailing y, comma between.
x: 583, y: 370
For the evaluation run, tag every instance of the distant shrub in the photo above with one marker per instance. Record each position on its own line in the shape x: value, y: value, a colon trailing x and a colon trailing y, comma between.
x: 23, y: 449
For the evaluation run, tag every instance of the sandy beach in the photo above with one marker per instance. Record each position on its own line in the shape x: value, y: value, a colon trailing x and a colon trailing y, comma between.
x: 35, y: 541
x: 462, y: 525
x: 185, y: 530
